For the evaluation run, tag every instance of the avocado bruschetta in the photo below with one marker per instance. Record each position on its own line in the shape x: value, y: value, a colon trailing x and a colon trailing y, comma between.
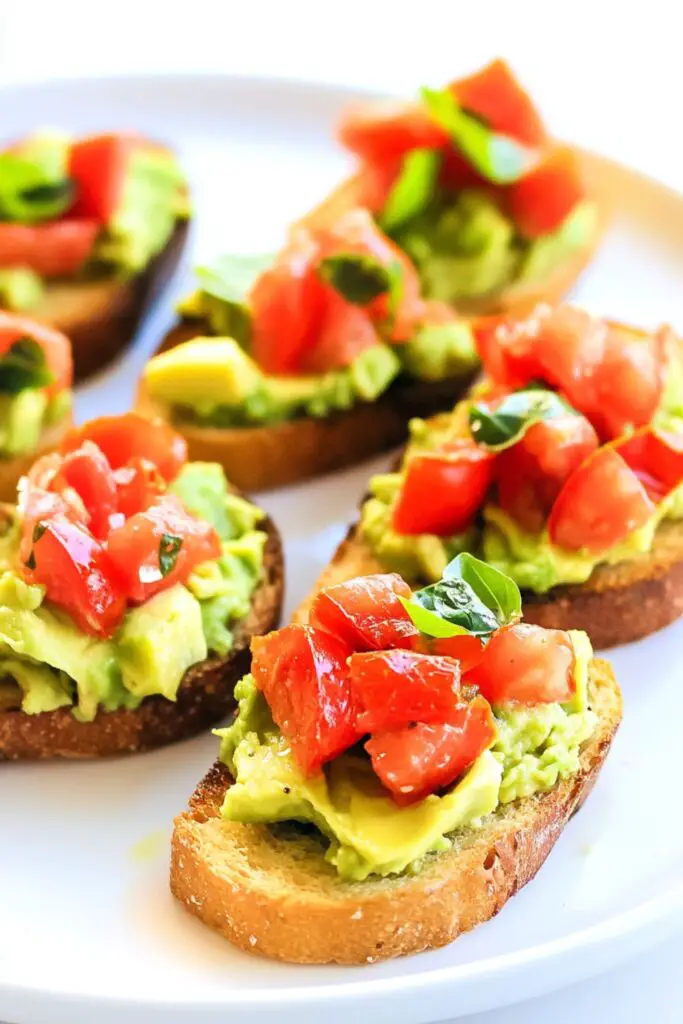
x: 292, y: 366
x: 397, y: 769
x: 495, y: 214
x: 90, y: 229
x: 131, y: 583
x: 563, y: 469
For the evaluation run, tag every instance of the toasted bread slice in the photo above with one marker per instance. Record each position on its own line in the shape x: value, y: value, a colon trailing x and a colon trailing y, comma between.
x: 12, y: 469
x: 271, y: 892
x: 205, y: 695
x: 263, y: 458
x: 519, y: 298
x: 101, y: 317
x: 616, y: 605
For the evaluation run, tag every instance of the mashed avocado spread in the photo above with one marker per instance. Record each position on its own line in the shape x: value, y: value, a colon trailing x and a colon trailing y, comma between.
x: 364, y: 830
x: 47, y: 662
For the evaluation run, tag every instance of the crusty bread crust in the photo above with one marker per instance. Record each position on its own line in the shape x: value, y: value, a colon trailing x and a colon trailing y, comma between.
x: 275, y: 895
x: 12, y: 469
x: 616, y: 605
x: 205, y: 695
x: 100, y: 318
x: 263, y: 458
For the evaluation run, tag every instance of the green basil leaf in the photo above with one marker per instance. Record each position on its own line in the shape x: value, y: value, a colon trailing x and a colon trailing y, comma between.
x: 38, y: 531
x: 498, y: 158
x: 493, y: 588
x: 231, y: 278
x: 169, y: 546
x: 29, y: 193
x: 454, y: 601
x: 428, y: 622
x: 24, y: 366
x: 507, y: 424
x: 413, y: 188
x: 358, y: 277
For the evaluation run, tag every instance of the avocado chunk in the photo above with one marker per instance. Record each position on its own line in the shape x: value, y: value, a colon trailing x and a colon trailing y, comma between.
x: 203, y: 373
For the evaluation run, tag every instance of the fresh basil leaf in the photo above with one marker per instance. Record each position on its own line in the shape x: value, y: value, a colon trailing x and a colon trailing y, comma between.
x: 169, y: 546
x: 428, y: 622
x: 30, y: 562
x: 28, y: 193
x: 413, y: 188
x: 38, y: 531
x: 24, y: 366
x: 230, y: 278
x: 493, y: 588
x: 507, y: 424
x: 498, y: 158
x: 454, y: 601
x: 358, y: 277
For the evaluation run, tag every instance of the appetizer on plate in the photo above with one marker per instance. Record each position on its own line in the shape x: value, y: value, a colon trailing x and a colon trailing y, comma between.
x: 494, y: 213
x: 90, y: 229
x: 289, y: 366
x: 131, y: 583
x: 397, y: 769
x: 563, y: 469
x: 35, y: 395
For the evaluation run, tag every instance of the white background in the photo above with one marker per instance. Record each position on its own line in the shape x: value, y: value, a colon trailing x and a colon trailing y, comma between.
x: 608, y: 76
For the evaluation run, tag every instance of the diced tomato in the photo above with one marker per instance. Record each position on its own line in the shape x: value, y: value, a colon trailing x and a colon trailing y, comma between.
x: 457, y: 173
x: 496, y: 97
x: 421, y: 759
x: 442, y: 492
x: 656, y: 457
x: 99, y: 165
x: 87, y: 471
x: 541, y: 201
x: 468, y: 650
x: 39, y: 505
x: 628, y: 382
x: 130, y: 436
x: 601, y: 503
x: 77, y: 574
x: 373, y: 183
x: 159, y: 547
x: 54, y: 249
x: 525, y: 664
x: 397, y: 688
x: 366, y: 612
x: 387, y: 129
x: 303, y: 675
x: 138, y: 484
x: 344, y: 332
x: 286, y: 303
x: 531, y: 473
x: 54, y: 344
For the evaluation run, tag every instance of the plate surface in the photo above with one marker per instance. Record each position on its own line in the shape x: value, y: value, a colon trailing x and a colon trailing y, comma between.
x: 89, y: 930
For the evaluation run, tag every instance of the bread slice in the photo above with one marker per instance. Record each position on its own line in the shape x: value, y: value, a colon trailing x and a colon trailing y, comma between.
x: 262, y: 458
x: 17, y: 466
x: 518, y: 298
x: 205, y: 695
x: 101, y: 317
x: 616, y: 605
x: 270, y: 891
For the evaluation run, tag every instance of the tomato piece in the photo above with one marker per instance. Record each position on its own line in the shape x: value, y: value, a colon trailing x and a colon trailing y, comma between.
x: 54, y: 249
x: 387, y: 129
x: 628, y: 383
x: 468, y: 650
x: 344, y: 332
x: 302, y: 673
x: 373, y: 183
x: 99, y: 165
x: 88, y: 472
x: 138, y: 484
x: 54, y: 344
x: 159, y: 547
x: 420, y: 759
x: 531, y: 473
x: 366, y: 612
x: 656, y: 457
x: 496, y: 97
x: 601, y: 503
x: 287, y: 302
x: 457, y: 173
x: 130, y: 436
x: 525, y: 664
x: 541, y: 201
x: 397, y: 688
x: 39, y: 505
x: 77, y: 574
x: 442, y: 492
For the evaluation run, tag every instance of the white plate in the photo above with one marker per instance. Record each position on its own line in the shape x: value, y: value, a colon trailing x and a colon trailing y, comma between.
x: 88, y: 930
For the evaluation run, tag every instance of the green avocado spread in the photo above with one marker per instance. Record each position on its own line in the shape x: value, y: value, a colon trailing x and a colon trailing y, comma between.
x: 47, y: 662
x: 363, y: 831
x: 25, y: 415
x: 466, y: 247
